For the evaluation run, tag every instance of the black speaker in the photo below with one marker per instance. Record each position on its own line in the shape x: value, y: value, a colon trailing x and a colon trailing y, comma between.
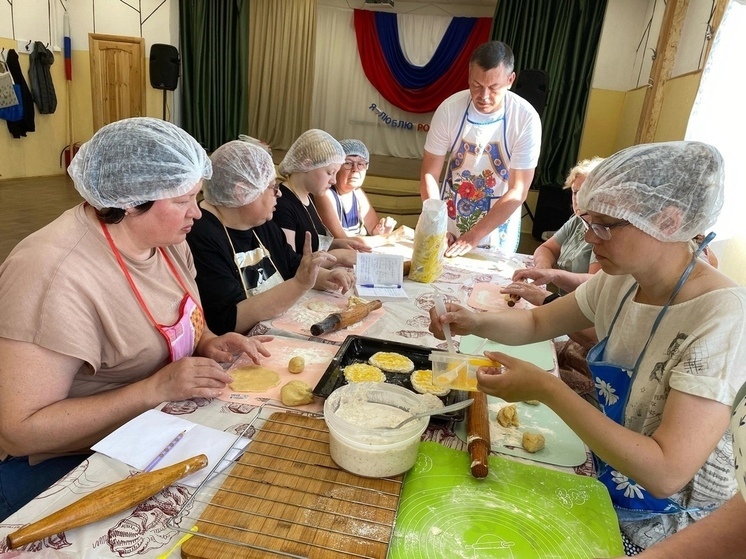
x: 532, y: 86
x: 164, y: 67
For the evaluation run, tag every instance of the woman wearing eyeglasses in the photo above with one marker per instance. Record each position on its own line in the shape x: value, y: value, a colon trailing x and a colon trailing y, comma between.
x: 673, y: 340
x: 246, y: 271
x: 566, y: 259
x: 309, y: 169
x: 346, y: 210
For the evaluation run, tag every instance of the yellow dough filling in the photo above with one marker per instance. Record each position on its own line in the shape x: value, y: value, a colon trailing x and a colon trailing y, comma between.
x: 362, y: 372
x: 391, y: 362
x: 422, y: 382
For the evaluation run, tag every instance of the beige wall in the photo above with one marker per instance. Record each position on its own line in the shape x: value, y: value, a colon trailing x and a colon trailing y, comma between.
x: 679, y: 93
x: 38, y: 154
x: 601, y: 123
x: 612, y: 116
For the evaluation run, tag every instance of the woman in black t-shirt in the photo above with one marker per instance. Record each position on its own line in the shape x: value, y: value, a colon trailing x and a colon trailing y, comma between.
x: 246, y: 271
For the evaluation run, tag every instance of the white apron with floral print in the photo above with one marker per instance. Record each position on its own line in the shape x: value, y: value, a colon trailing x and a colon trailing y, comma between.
x: 477, y: 176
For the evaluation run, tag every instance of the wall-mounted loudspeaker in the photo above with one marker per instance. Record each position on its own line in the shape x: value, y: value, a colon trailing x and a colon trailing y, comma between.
x: 164, y: 67
x: 532, y: 86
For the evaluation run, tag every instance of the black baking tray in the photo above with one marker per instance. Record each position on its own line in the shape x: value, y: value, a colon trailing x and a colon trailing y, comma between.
x: 358, y: 349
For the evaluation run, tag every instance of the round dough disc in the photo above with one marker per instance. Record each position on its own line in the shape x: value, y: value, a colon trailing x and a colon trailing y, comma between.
x: 391, y: 362
x: 317, y: 305
x: 254, y: 378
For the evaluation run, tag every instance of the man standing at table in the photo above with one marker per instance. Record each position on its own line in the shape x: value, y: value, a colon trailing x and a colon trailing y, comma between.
x: 493, y: 137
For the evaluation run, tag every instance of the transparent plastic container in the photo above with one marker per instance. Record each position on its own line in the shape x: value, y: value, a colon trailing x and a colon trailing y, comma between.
x: 458, y: 371
x: 368, y: 451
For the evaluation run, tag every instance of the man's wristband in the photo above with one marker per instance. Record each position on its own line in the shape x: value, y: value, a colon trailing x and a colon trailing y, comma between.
x: 549, y: 298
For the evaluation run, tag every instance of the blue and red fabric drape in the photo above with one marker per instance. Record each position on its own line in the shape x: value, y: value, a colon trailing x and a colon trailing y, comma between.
x: 416, y: 89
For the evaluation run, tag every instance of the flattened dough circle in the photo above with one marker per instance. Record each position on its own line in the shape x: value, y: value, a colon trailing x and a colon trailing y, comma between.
x: 254, y: 378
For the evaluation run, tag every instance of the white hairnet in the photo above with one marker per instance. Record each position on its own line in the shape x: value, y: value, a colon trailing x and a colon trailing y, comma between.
x: 241, y: 171
x: 672, y: 191
x: 137, y: 160
x: 313, y: 149
x: 355, y: 147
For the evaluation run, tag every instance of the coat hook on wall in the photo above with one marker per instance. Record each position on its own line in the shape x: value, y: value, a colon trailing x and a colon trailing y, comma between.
x: 24, y: 46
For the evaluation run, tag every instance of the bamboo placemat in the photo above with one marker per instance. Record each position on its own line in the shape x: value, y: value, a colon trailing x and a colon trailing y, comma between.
x: 285, y: 497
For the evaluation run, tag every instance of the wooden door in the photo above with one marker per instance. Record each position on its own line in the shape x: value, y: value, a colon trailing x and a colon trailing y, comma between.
x: 117, y: 77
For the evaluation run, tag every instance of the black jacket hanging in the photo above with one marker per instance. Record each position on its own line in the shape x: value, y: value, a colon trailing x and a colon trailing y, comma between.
x: 19, y: 128
x: 42, y: 86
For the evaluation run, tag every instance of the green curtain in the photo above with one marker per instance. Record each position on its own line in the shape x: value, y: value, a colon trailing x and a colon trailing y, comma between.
x: 214, y: 61
x: 560, y: 37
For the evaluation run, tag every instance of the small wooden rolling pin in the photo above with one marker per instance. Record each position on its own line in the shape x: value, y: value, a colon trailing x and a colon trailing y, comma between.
x: 343, y: 319
x: 106, y: 501
x: 478, y: 434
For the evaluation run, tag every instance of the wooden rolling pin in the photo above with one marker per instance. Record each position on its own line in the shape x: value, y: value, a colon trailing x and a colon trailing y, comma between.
x: 106, y: 501
x: 478, y: 434
x: 343, y: 319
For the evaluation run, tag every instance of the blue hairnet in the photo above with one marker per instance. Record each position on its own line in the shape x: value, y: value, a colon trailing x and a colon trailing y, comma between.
x: 355, y: 147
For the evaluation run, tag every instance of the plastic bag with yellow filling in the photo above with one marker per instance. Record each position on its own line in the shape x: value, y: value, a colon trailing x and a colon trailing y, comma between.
x: 429, y: 242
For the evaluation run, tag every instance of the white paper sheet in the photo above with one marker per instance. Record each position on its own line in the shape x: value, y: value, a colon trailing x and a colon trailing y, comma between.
x: 380, y: 276
x: 140, y: 440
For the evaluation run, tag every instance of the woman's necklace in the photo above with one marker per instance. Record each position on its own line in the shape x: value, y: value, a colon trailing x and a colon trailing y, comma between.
x: 310, y: 203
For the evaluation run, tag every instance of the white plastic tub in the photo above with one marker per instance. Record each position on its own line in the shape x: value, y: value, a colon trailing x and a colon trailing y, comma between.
x: 356, y: 445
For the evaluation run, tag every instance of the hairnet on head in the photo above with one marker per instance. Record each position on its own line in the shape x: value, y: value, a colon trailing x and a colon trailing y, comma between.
x: 672, y: 191
x: 312, y: 150
x: 137, y: 160
x: 241, y: 171
x: 355, y: 147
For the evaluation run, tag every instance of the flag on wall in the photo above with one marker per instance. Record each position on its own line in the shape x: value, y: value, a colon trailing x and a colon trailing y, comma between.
x: 68, y: 48
x: 71, y: 148
x: 416, y: 89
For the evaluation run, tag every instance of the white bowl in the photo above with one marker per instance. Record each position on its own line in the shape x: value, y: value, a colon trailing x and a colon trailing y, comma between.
x: 368, y: 451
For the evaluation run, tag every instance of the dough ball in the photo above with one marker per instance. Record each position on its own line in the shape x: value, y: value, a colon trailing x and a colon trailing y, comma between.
x: 254, y: 378
x: 296, y: 393
x: 508, y: 416
x: 296, y: 365
x: 353, y: 300
x: 532, y: 442
x: 532, y: 402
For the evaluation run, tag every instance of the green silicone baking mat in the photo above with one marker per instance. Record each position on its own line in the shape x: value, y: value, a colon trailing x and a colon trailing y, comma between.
x: 519, y: 511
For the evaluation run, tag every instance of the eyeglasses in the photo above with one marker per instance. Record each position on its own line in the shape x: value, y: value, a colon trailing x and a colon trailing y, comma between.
x: 275, y: 188
x: 602, y: 231
x: 357, y: 165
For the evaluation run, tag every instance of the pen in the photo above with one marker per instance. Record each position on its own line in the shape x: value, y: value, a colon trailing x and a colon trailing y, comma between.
x: 164, y: 452
x: 380, y: 285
